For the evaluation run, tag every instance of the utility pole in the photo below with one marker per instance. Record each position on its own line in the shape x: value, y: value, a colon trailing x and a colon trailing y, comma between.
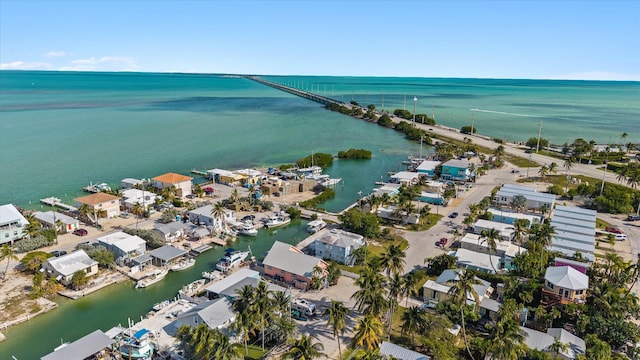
x: 539, y: 132
x: 415, y: 100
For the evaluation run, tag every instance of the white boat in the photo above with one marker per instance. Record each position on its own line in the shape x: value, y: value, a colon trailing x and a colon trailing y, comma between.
x: 316, y: 225
x: 210, y: 275
x: 247, y: 229
x: 183, y: 264
x: 136, y: 345
x: 192, y: 288
x: 152, y: 278
x: 161, y: 305
x: 277, y: 220
x: 330, y: 182
x: 231, y: 260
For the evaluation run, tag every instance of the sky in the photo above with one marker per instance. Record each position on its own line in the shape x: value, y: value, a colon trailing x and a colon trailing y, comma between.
x: 598, y: 40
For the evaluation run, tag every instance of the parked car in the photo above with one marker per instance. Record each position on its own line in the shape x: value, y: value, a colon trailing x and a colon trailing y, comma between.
x: 443, y: 241
x: 453, y: 215
x: 612, y: 229
x: 621, y: 237
x: 80, y: 232
x: 58, y: 253
x: 124, y: 215
x: 633, y: 217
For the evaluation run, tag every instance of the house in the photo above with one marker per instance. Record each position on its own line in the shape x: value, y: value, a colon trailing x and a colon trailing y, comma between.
x: 55, y: 220
x: 130, y: 183
x: 181, y: 183
x: 387, y: 188
x: 12, y: 224
x: 250, y: 176
x: 86, y: 347
x: 542, y: 342
x: 337, y: 245
x: 174, y: 231
x: 405, y: 178
x: 222, y: 286
x: 163, y: 256
x: 226, y: 177
x: 286, y: 263
x: 459, y: 170
x: 131, y: 197
x: 203, y: 216
x: 63, y: 267
x: 478, y: 261
x: 432, y: 198
x: 394, y: 351
x: 123, y: 245
x: 428, y: 168
x: 218, y: 314
x: 578, y: 265
x: 438, y: 290
x: 506, y: 231
x: 575, y: 231
x: 508, y: 217
x: 101, y: 201
x: 506, y: 250
x: 535, y: 200
x: 564, y: 284
x: 390, y: 212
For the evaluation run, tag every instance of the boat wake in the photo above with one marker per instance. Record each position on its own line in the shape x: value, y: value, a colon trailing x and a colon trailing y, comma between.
x: 504, y: 113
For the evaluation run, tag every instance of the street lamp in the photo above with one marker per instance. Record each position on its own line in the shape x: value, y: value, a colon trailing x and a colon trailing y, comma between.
x: 415, y: 100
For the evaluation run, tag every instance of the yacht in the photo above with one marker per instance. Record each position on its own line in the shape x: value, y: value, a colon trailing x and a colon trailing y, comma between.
x: 192, y: 288
x: 210, y: 275
x: 330, y: 181
x: 183, y: 264
x: 152, y: 278
x: 316, y: 225
x: 277, y: 220
x: 247, y: 229
x: 136, y: 345
x: 231, y: 260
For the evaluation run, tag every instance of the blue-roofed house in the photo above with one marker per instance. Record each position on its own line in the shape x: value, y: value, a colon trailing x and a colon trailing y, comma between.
x: 457, y: 170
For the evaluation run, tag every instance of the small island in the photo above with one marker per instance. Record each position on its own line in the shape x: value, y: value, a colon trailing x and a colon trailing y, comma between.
x: 355, y: 154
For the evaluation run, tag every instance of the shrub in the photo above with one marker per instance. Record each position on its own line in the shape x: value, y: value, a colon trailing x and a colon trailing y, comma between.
x: 324, y: 196
x: 37, y: 242
x: 152, y: 238
x: 294, y: 213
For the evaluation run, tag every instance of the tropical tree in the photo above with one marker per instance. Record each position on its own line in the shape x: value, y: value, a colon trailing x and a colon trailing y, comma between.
x: 553, y: 168
x: 262, y: 306
x: 304, y: 348
x: 333, y: 273
x: 506, y: 341
x: 393, y: 260
x: 556, y: 347
x: 79, y: 279
x: 245, y: 315
x: 521, y: 229
x: 544, y: 171
x: 137, y: 210
x: 518, y: 203
x: 409, y: 286
x: 337, y: 320
x: 218, y: 212
x: 368, y: 332
x: 491, y: 236
x: 395, y: 287
x: 33, y: 226
x: 370, y: 297
x: 8, y: 255
x: 568, y: 164
x: 33, y: 261
x: 413, y: 319
x: 460, y: 291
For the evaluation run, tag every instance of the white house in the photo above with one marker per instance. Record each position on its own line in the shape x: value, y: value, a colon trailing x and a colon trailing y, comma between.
x: 428, y: 168
x: 56, y: 220
x: 540, y: 341
x: 337, y: 245
x: 391, y: 350
x: 12, y: 224
x: 130, y: 197
x: 506, y: 230
x: 438, y: 291
x: 478, y: 261
x: 218, y: 314
x: 405, y: 177
x: 506, y: 250
x: 575, y: 231
x: 565, y: 284
x: 175, y: 230
x: 390, y: 212
x: 123, y: 245
x: 63, y: 267
x: 203, y: 216
x: 181, y: 183
x: 535, y: 200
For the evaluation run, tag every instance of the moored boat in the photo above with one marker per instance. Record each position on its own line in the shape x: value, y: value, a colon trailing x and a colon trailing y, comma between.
x: 247, y: 229
x: 277, y: 220
x: 316, y: 225
x: 154, y: 277
x: 330, y: 182
x: 231, y: 260
x: 136, y: 345
x: 183, y: 264
x: 210, y: 275
x: 192, y: 288
x: 161, y: 305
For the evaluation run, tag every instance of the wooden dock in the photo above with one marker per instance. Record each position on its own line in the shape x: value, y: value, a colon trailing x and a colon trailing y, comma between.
x: 200, y: 249
x: 198, y: 172
x: 55, y: 202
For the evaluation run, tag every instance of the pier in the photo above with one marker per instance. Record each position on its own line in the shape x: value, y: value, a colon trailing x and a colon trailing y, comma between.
x: 305, y: 94
x: 55, y: 202
x: 198, y: 172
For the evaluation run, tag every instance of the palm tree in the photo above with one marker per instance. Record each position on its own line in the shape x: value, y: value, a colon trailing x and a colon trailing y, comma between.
x: 32, y: 227
x: 224, y: 349
x: 553, y: 168
x: 337, y: 320
x: 413, y: 320
x: 304, y: 348
x: 460, y: 291
x: 395, y: 286
x: 218, y: 212
x: 490, y: 236
x: 506, y: 341
x: 363, y: 354
x: 245, y: 315
x: 623, y: 136
x: 521, y: 228
x: 7, y: 254
x: 262, y: 306
x: 518, y: 203
x: 409, y: 288
x: 557, y: 346
x: 368, y: 332
x: 393, y: 260
x: 568, y: 164
x: 137, y: 210
x: 370, y: 297
x: 544, y: 171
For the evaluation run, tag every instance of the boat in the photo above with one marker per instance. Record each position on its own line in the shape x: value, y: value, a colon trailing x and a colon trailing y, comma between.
x: 183, y: 264
x: 247, y: 229
x: 152, y: 278
x: 316, y: 225
x: 161, y: 305
x: 96, y: 188
x: 277, y: 220
x: 231, y: 260
x: 192, y: 288
x: 210, y: 275
x: 136, y: 345
x: 330, y: 181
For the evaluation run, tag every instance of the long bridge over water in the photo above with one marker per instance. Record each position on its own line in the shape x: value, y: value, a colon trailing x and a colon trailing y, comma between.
x: 305, y: 94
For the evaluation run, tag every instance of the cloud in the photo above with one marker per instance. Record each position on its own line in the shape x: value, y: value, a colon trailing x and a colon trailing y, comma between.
x: 21, y: 65
x: 54, y: 54
x: 105, y: 63
x: 596, y: 75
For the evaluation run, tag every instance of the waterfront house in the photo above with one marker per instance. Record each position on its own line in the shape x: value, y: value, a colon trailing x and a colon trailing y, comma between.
x: 222, y: 286
x: 288, y: 264
x: 478, y: 261
x: 564, y: 284
x: 387, y: 188
x: 101, y: 201
x: 405, y: 178
x: 87, y: 347
x: 428, y: 168
x: 535, y: 200
x: 55, y: 220
x: 540, y: 341
x: 163, y: 256
x: 131, y: 197
x: 174, y: 231
x: 337, y: 245
x: 218, y: 314
x: 63, y: 267
x: 390, y: 212
x: 391, y: 350
x: 250, y: 176
x: 123, y: 245
x: 203, y: 216
x: 12, y: 224
x: 226, y: 177
x: 438, y: 291
x: 181, y: 183
x: 575, y: 231
x: 130, y: 183
x: 457, y: 170
x: 506, y: 250
x: 506, y: 231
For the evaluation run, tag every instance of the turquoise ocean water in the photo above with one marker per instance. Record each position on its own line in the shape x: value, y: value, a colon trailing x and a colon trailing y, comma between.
x: 59, y: 131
